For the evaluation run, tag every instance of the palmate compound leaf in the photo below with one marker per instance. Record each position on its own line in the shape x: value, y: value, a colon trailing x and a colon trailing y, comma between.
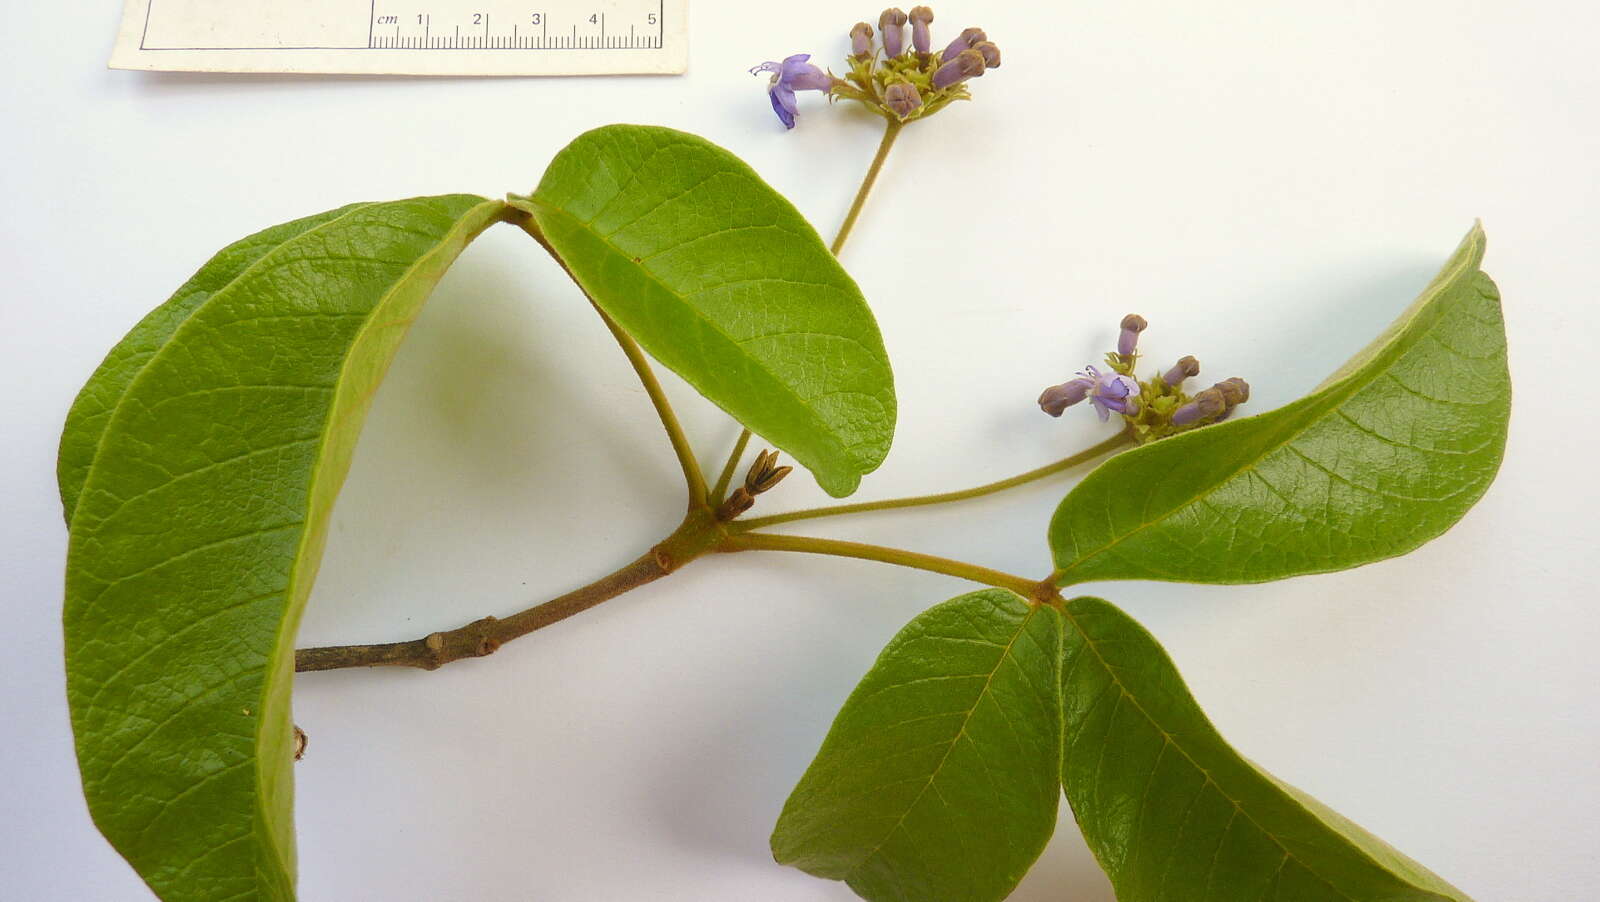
x: 198, y: 469
x: 939, y: 779
x: 1391, y: 451
x: 1174, y: 814
x: 723, y: 281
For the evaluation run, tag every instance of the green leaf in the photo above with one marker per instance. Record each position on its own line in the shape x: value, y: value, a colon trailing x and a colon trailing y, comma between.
x: 938, y: 780
x: 1391, y: 451
x: 216, y: 437
x: 717, y: 276
x: 1174, y: 814
x: 86, y: 421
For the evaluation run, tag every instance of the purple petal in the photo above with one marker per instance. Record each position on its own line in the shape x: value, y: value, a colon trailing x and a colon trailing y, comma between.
x: 799, y: 75
x: 783, y: 104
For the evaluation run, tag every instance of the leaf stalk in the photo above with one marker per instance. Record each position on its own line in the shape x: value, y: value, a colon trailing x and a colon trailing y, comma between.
x: 833, y: 510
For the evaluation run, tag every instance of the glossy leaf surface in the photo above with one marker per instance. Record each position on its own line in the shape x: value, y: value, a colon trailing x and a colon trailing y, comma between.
x: 718, y: 277
x: 198, y: 470
x: 938, y: 780
x: 1387, y: 454
x: 1174, y: 814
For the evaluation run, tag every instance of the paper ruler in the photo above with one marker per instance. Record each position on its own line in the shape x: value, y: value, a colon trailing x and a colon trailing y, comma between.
x: 405, y: 37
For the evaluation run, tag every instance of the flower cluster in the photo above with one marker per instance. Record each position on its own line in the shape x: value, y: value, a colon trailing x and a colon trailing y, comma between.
x: 896, y: 80
x: 1153, y: 408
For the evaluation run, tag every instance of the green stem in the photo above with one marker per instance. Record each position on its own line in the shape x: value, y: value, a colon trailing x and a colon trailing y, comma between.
x: 758, y: 541
x: 834, y: 510
x: 720, y: 490
x: 890, y: 132
x: 692, y: 477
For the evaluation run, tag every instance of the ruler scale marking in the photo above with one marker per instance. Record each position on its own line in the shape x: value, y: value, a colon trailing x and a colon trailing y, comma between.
x: 338, y: 36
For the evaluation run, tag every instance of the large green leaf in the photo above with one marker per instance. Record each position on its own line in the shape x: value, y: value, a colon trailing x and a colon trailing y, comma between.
x: 1174, y: 814
x: 722, y: 280
x: 1387, y: 454
x: 938, y: 779
x: 204, y: 458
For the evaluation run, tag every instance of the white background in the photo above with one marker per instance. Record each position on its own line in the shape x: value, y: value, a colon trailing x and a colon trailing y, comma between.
x: 1268, y: 183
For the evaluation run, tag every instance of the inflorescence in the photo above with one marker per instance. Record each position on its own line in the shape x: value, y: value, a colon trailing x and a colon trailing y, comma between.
x: 1153, y: 408
x: 896, y: 80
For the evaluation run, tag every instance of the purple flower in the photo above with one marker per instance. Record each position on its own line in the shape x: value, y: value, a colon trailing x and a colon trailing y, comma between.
x: 1057, y: 398
x: 902, y: 99
x: 964, y: 41
x: 791, y: 75
x: 1185, y: 368
x: 1132, y: 325
x: 861, y: 40
x: 921, y: 16
x: 1108, y: 392
x: 1205, y: 405
x: 892, y: 25
x: 967, y: 64
x: 1113, y: 393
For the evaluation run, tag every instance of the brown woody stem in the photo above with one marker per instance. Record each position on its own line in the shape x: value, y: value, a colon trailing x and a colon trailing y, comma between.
x: 698, y: 534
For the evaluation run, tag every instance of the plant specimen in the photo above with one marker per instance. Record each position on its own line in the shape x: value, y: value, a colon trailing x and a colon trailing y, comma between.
x: 200, y: 463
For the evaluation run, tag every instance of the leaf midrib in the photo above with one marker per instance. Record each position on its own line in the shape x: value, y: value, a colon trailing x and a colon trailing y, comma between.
x: 1343, y: 391
x: 1172, y: 740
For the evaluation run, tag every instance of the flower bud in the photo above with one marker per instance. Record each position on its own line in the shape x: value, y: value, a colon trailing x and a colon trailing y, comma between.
x: 891, y: 26
x: 967, y: 64
x: 765, y: 473
x: 1205, y: 405
x: 991, y: 54
x: 902, y: 99
x: 921, y: 16
x: 1132, y: 325
x: 1185, y: 368
x: 1235, y: 391
x: 1058, y: 398
x: 964, y: 41
x: 861, y: 40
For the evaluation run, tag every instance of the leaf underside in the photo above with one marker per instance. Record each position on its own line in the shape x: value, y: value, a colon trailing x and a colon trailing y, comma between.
x: 938, y: 780
x: 721, y: 279
x: 91, y: 411
x: 198, y: 469
x: 1387, y: 454
x: 1174, y: 814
